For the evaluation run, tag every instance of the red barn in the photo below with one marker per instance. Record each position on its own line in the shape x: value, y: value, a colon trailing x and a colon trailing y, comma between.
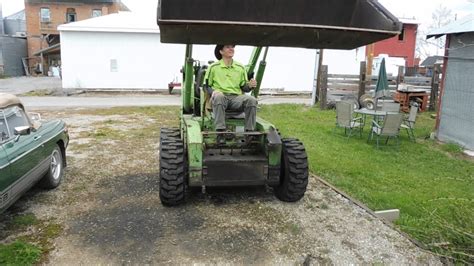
x: 402, y: 45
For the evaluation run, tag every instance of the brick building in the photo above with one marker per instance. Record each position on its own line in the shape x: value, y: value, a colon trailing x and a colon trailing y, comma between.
x: 43, y: 18
x: 401, y: 46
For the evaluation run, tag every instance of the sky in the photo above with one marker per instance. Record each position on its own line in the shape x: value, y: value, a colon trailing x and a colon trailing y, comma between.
x: 420, y: 9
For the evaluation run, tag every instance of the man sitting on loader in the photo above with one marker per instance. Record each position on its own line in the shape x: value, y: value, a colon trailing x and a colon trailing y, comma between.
x: 226, y: 81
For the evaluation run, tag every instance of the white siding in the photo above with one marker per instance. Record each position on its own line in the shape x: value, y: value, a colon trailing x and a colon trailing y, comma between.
x: 114, y: 60
x: 142, y: 62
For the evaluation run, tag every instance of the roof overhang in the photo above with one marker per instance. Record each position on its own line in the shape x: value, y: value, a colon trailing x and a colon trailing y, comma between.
x: 122, y: 22
x: 463, y: 25
x: 54, y: 49
x: 336, y: 24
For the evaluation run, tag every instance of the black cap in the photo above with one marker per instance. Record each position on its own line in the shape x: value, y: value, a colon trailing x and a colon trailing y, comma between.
x: 217, y: 50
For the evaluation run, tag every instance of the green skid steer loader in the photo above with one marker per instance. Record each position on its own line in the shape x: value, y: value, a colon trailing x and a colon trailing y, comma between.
x: 190, y: 155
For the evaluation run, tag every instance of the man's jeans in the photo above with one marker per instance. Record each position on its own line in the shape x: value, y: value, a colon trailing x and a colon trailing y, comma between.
x: 232, y: 102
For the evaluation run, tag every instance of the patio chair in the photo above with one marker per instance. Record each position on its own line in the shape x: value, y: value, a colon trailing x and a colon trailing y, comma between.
x: 409, y: 122
x: 391, y: 107
x: 390, y: 128
x: 345, y: 118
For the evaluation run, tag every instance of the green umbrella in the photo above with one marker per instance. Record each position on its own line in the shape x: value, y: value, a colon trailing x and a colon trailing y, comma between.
x: 381, y: 89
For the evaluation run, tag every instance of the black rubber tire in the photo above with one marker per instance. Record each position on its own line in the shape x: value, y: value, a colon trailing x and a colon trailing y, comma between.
x: 370, y: 104
x: 172, y: 132
x: 173, y: 181
x: 294, y: 171
x: 55, y: 173
x: 331, y: 105
x: 352, y: 99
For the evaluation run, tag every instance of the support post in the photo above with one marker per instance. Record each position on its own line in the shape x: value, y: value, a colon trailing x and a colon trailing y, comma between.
x: 362, y: 78
x: 370, y: 58
x: 401, y: 75
x: 434, y: 88
x: 324, y: 87
x: 315, y: 94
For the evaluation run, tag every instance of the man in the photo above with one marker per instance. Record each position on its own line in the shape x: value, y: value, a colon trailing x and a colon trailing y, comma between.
x: 226, y: 81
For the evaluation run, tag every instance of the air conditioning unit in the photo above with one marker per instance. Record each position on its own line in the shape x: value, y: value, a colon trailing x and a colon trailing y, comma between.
x: 20, y: 34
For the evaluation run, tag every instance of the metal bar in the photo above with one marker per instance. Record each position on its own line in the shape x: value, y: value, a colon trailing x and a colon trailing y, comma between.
x: 188, y: 79
x: 322, y: 27
x: 249, y: 133
x: 253, y: 60
x: 260, y: 72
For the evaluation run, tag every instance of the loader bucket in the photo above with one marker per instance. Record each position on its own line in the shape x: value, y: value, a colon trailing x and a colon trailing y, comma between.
x: 329, y: 24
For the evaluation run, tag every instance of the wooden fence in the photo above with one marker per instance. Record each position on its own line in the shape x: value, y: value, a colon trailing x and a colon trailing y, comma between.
x: 338, y: 86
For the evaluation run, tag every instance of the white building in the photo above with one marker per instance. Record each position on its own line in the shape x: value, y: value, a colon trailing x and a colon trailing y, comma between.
x: 123, y: 51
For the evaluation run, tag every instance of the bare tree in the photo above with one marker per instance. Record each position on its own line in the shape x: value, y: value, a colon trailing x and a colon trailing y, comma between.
x: 440, y: 17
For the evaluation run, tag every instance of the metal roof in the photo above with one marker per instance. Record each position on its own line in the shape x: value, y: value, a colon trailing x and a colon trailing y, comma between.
x: 465, y: 24
x: 71, y: 1
x: 409, y: 21
x: 431, y: 61
x: 18, y: 15
x: 118, y: 22
x: 49, y: 50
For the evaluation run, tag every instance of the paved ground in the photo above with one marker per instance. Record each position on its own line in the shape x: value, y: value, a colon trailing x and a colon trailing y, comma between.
x: 21, y: 85
x: 131, y: 100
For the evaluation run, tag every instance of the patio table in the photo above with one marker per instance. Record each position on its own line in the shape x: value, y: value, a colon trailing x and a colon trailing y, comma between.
x: 375, y: 113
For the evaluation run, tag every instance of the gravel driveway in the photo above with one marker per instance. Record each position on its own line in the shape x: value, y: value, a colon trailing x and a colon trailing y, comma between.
x: 109, y: 209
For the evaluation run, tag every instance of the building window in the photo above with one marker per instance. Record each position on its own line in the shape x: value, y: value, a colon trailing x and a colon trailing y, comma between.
x: 113, y: 65
x: 96, y: 13
x: 71, y: 15
x: 401, y: 36
x: 45, y: 14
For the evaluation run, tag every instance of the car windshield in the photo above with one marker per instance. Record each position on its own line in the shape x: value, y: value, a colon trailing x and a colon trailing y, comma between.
x: 3, y: 127
x: 14, y: 117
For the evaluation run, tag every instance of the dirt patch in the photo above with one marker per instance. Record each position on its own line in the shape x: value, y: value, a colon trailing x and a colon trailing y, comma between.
x: 109, y: 209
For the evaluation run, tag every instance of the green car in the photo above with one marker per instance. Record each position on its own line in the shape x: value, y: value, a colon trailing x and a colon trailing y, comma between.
x: 30, y: 151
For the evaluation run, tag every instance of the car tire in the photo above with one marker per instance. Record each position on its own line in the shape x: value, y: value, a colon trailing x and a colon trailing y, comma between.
x: 55, y: 173
x: 294, y: 171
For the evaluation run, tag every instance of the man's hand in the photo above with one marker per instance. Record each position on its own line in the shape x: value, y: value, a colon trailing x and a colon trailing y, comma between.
x: 252, y: 83
x: 215, y: 94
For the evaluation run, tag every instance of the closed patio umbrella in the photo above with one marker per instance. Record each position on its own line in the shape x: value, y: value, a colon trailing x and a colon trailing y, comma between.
x: 381, y: 89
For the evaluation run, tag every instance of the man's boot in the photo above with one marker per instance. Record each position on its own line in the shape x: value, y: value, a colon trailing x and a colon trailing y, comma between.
x: 221, y: 137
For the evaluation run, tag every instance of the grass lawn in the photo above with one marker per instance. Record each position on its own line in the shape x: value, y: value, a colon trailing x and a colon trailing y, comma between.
x: 431, y: 184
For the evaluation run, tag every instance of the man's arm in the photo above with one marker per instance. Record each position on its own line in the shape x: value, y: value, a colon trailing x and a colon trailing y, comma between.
x: 246, y: 85
x: 208, y: 81
x: 208, y: 88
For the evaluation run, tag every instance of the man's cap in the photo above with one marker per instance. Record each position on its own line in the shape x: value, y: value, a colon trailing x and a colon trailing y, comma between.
x: 217, y: 50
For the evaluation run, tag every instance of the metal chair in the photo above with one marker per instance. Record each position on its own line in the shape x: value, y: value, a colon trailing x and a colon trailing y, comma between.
x: 409, y: 122
x: 345, y: 118
x: 391, y: 107
x: 390, y: 128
